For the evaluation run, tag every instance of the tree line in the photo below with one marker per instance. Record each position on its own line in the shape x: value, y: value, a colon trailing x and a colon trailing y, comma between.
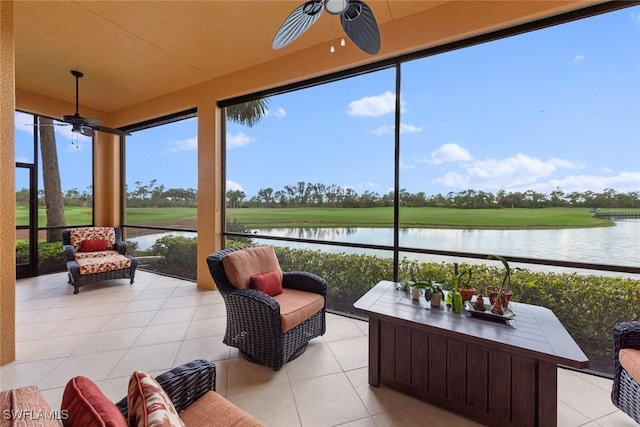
x: 305, y: 194
x: 319, y: 195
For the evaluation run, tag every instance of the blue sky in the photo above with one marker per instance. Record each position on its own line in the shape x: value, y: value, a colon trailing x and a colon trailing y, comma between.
x: 554, y: 108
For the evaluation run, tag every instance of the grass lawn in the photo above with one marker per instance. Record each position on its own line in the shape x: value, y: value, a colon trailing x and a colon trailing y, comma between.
x: 356, y: 217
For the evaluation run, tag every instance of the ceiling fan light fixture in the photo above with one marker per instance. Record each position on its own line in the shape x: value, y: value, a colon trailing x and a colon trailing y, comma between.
x: 336, y: 7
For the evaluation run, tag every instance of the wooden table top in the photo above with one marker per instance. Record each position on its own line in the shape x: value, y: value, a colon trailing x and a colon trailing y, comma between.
x: 534, y: 331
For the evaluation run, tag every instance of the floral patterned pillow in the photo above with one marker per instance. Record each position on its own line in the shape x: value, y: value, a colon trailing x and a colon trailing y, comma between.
x: 148, y: 404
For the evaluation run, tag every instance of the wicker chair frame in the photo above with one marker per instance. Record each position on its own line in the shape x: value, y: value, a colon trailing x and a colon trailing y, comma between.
x: 73, y: 268
x: 184, y: 384
x: 625, y: 392
x: 253, y: 317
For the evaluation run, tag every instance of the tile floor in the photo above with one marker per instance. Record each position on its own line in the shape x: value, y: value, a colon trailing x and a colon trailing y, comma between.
x: 109, y: 330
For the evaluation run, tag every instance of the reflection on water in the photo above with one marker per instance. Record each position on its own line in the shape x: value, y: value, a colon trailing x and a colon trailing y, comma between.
x: 617, y: 245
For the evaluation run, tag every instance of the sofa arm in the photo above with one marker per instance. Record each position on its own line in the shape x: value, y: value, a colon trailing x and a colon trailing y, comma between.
x: 304, y: 281
x: 69, y: 253
x: 184, y: 384
x: 626, y: 335
x: 121, y: 247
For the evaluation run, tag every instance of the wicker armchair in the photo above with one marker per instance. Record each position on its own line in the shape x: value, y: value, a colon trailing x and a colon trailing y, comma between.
x: 92, y: 265
x: 184, y: 384
x: 254, y: 322
x: 625, y: 392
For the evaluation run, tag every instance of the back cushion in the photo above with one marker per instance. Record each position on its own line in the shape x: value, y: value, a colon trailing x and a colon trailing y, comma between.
x: 86, y: 406
x: 77, y: 235
x: 240, y: 265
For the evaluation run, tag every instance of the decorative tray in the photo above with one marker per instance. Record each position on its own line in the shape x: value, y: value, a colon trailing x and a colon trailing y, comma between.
x: 508, y: 313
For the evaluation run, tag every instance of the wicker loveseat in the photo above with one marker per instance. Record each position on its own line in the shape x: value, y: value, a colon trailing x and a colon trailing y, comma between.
x: 184, y: 395
x: 267, y: 329
x: 95, y: 254
x: 625, y: 392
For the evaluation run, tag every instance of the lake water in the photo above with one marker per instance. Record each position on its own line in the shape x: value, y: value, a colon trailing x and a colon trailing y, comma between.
x: 617, y: 245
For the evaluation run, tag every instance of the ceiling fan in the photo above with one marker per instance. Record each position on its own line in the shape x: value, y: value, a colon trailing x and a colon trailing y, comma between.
x: 355, y: 16
x: 84, y: 125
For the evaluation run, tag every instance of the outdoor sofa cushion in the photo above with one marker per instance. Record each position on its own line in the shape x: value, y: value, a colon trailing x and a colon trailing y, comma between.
x: 85, y: 405
x: 226, y: 414
x: 297, y: 306
x: 148, y: 403
x: 239, y: 266
x: 25, y: 406
x: 630, y: 361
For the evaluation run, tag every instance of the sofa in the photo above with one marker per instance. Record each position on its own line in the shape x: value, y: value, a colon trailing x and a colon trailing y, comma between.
x: 625, y: 391
x: 95, y: 254
x: 183, y: 396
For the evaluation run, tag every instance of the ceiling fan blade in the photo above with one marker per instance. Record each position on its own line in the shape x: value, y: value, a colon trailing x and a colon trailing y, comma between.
x: 111, y: 130
x: 87, y: 131
x: 300, y: 20
x: 361, y: 27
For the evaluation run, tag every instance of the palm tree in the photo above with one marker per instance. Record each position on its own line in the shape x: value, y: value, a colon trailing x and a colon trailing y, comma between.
x: 53, y: 198
x: 248, y: 113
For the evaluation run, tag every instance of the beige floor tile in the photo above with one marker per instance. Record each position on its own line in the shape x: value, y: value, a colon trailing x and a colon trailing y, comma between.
x: 208, y: 311
x: 51, y: 348
x: 115, y: 388
x: 81, y: 326
x: 327, y: 401
x: 584, y: 396
x: 24, y: 316
x: 36, y: 331
x: 159, y: 357
x: 139, y: 305
x: 316, y: 361
x: 95, y: 366
x: 173, y: 315
x: 184, y: 301
x: 53, y: 397
x: 55, y: 314
x: 152, y: 293
x: 103, y: 309
x: 129, y: 320
x: 245, y: 376
x: 341, y: 328
x: 212, y: 297
x: 207, y: 328
x: 186, y: 289
x: 274, y: 406
x: 351, y: 353
x: 421, y: 415
x: 16, y: 374
x: 210, y: 348
x: 569, y: 417
x: 222, y: 376
x: 363, y: 422
x: 363, y: 325
x: 377, y: 399
x: 110, y: 340
x: 617, y: 419
x: 165, y: 333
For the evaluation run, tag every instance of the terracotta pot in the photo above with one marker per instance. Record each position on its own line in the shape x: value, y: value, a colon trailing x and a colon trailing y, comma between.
x: 436, y: 298
x: 467, y: 293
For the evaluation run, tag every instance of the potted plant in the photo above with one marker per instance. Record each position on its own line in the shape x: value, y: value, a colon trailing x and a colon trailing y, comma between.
x: 466, y: 290
x: 432, y: 291
x: 504, y: 290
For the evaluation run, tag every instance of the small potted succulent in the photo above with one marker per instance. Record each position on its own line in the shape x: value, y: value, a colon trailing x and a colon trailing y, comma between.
x: 503, y: 292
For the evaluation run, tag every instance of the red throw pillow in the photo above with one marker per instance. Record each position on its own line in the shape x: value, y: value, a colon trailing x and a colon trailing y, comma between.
x: 270, y: 282
x: 94, y: 245
x: 84, y: 405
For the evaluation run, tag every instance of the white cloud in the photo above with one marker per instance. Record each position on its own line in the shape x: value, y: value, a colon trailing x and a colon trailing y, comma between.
x: 623, y: 182
x: 404, y: 128
x: 509, y: 173
x: 23, y: 122
x: 278, y: 112
x: 374, y: 106
x: 635, y: 18
x: 233, y: 186
x: 189, y: 144
x: 448, y: 153
x: 404, y: 165
x: 578, y: 58
x: 238, y: 140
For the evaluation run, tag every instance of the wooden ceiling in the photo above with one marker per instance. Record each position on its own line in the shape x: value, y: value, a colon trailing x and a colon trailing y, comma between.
x: 133, y: 51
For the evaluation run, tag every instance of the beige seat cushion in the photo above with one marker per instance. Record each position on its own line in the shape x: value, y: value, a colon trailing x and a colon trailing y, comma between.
x: 630, y: 361
x: 213, y: 410
x: 297, y: 306
x: 25, y: 406
x: 239, y: 266
x: 103, y: 264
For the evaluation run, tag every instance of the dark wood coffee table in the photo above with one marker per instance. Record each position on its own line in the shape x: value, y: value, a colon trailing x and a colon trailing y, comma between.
x: 496, y: 372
